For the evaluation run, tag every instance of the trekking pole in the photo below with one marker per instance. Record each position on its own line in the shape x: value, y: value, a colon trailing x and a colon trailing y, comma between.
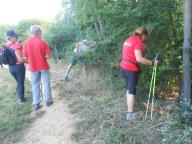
x: 152, y: 87
x: 150, y: 90
x: 153, y: 96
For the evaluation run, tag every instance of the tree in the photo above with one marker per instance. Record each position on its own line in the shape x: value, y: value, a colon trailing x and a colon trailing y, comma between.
x: 186, y: 53
x: 23, y: 27
x: 3, y: 29
x: 110, y: 22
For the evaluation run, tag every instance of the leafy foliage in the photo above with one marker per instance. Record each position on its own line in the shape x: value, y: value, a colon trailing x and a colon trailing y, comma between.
x: 110, y: 22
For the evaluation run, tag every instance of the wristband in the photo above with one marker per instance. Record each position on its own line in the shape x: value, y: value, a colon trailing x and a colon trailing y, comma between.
x: 153, y: 62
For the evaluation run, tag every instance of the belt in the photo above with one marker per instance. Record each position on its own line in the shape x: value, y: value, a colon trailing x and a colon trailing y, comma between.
x: 130, y: 61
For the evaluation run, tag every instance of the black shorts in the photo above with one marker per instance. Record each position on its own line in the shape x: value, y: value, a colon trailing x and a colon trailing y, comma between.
x: 131, y: 79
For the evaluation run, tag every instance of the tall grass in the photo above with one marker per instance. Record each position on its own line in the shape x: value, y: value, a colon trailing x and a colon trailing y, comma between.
x: 100, y: 115
x: 13, y: 117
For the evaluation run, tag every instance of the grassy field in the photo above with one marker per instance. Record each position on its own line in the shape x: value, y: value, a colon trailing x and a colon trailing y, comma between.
x: 100, y: 115
x: 13, y: 117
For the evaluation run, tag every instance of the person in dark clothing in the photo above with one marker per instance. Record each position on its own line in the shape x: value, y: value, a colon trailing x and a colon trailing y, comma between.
x: 17, y: 70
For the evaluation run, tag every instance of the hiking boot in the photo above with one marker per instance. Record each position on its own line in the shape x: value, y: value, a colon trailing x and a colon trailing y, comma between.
x: 24, y: 99
x: 130, y: 116
x: 66, y: 78
x: 49, y: 103
x: 20, y: 102
x: 36, y: 106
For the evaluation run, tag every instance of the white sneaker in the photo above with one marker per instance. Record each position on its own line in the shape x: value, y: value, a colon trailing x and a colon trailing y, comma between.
x: 130, y: 116
x: 66, y: 78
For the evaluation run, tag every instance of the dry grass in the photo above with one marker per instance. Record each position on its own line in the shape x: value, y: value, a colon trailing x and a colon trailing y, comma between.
x: 101, y: 114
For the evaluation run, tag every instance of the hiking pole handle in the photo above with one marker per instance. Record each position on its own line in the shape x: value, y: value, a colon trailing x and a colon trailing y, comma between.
x: 158, y: 57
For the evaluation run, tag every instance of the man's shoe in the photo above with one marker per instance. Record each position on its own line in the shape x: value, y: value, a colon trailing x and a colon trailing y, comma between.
x: 24, y: 100
x: 36, y: 106
x: 49, y: 103
x: 130, y: 116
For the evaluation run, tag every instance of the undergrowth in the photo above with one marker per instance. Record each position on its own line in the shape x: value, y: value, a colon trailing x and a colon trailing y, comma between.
x: 100, y: 116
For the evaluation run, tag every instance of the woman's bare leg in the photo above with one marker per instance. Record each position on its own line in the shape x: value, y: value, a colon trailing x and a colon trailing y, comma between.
x: 130, y: 102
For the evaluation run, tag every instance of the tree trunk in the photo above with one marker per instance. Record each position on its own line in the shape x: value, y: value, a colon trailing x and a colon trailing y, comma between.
x: 97, y: 30
x: 186, y: 99
x: 97, y: 22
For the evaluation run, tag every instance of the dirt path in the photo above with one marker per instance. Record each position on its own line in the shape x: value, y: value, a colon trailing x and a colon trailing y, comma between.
x: 54, y: 125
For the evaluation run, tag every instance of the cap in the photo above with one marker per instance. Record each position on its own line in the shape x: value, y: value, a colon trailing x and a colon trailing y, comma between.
x: 11, y: 33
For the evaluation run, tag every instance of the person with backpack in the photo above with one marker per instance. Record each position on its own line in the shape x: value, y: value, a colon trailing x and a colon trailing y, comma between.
x: 81, y: 48
x: 12, y: 56
x: 132, y: 55
x: 36, y: 51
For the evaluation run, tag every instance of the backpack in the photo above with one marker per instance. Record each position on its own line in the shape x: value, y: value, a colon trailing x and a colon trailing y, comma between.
x: 8, y: 56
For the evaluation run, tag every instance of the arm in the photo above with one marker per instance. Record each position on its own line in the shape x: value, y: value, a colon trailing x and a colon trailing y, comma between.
x: 140, y: 59
x: 138, y: 54
x: 19, y: 56
x: 24, y: 53
x: 93, y: 47
x: 47, y: 51
x: 48, y: 56
x: 77, y: 46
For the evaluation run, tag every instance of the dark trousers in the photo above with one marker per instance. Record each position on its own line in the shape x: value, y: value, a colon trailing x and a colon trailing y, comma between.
x: 131, y: 79
x: 18, y: 72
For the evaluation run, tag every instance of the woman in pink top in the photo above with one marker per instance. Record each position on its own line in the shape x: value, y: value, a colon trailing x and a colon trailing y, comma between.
x: 132, y: 55
x: 17, y: 70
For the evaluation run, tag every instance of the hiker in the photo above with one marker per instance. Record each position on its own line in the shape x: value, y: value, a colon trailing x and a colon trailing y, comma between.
x: 132, y: 55
x: 79, y: 52
x: 17, y: 69
x: 36, y: 51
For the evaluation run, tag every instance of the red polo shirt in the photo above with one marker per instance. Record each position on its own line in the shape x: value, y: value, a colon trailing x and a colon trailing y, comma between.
x: 35, y: 49
x: 130, y: 45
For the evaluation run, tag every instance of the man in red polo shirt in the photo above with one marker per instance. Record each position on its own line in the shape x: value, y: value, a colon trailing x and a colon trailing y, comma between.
x: 36, y: 52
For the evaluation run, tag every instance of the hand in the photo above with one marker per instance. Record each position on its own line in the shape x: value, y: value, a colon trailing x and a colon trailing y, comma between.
x: 156, y: 62
x: 158, y: 57
x: 47, y: 56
